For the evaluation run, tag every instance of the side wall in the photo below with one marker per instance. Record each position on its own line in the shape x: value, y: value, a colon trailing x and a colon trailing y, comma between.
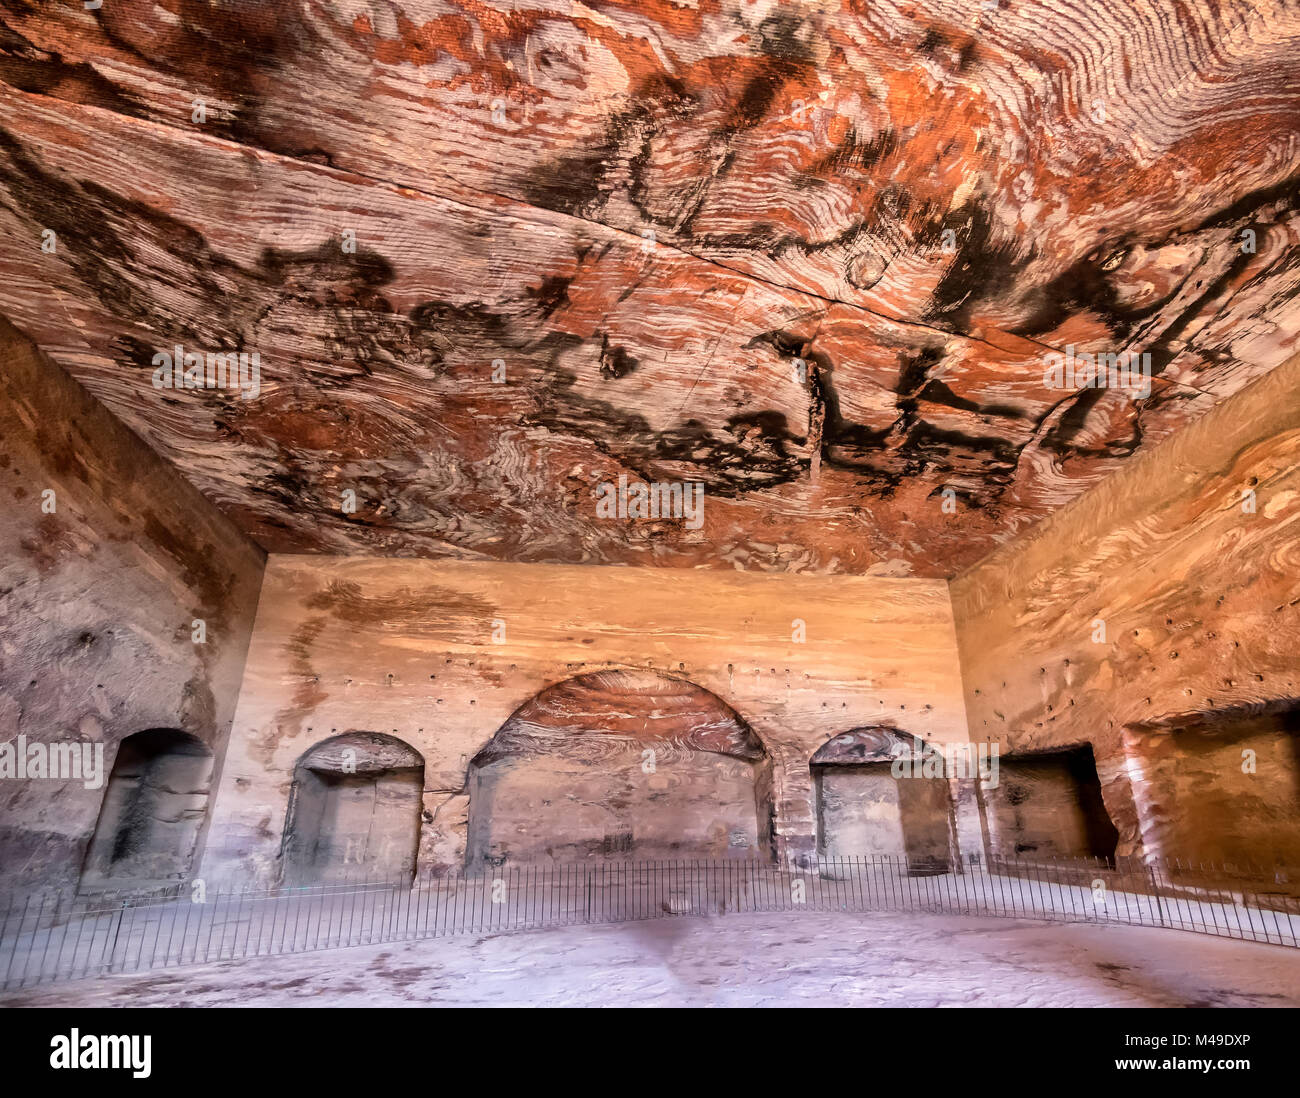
x: 405, y: 647
x: 1157, y: 602
x: 97, y: 600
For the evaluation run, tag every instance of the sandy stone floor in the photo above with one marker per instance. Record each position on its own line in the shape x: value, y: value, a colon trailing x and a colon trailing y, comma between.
x: 816, y: 959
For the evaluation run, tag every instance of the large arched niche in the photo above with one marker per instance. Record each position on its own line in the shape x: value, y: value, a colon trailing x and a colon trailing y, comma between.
x: 620, y: 763
x: 354, y: 811
x: 864, y: 809
x: 153, y: 809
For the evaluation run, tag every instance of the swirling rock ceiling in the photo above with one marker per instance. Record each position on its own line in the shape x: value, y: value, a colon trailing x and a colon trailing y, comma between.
x: 647, y: 211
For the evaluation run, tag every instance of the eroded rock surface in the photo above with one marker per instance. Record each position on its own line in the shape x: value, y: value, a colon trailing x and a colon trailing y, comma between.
x: 810, y: 256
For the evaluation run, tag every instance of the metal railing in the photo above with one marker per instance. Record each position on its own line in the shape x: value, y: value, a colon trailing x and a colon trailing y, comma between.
x: 66, y: 934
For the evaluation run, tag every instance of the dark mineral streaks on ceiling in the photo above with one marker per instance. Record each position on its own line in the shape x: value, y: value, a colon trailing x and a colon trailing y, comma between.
x: 811, y: 255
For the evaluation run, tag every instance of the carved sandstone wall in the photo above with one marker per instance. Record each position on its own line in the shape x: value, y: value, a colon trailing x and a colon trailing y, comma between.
x: 405, y: 648
x: 97, y: 598
x: 1160, y: 606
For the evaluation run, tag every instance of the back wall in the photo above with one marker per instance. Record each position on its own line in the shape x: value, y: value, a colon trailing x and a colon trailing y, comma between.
x: 406, y: 648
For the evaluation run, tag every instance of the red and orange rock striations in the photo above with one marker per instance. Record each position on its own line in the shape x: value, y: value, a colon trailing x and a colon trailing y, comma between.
x: 647, y: 211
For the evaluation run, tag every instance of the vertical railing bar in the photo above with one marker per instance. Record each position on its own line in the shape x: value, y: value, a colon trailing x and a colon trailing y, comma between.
x: 212, y: 919
x: 409, y: 928
x: 185, y: 931
x: 332, y: 900
x: 42, y: 972
x: 87, y: 920
x: 346, y: 898
x: 949, y: 887
x: 439, y: 899
x: 1006, y: 882
x: 461, y: 894
x: 1209, y: 898
x: 233, y: 904
x: 134, y: 908
x: 397, y: 924
x: 278, y: 901
x: 122, y: 925
x: 49, y: 934
x: 391, y: 897
x: 241, y: 903
x: 1276, y: 923
x: 1236, y: 912
x: 374, y: 910
x: 81, y: 930
x: 1184, y: 915
x: 111, y: 932
x: 1016, y: 884
x: 95, y: 959
x: 372, y: 896
x: 352, y: 901
x: 272, y: 902
x: 1195, y: 915
x: 361, y: 902
x: 238, y: 923
x: 63, y: 938
x: 411, y: 912
x: 420, y: 908
x: 260, y: 903
x: 442, y: 908
x: 161, y: 909
x: 322, y: 903
x: 298, y: 897
x: 18, y: 933
x: 993, y: 882
x: 324, y: 906
x: 69, y: 911
x: 1168, y: 892
x: 405, y: 895
x: 4, y: 934
x: 339, y: 899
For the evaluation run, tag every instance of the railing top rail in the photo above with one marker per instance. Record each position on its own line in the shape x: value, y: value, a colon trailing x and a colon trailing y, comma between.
x: 1171, y: 871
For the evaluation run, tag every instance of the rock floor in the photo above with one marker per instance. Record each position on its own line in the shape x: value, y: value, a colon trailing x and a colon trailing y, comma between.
x: 817, y: 959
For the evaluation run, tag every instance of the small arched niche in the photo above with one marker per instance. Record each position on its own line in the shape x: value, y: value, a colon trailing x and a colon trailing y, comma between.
x: 620, y: 764
x: 153, y: 809
x: 354, y: 811
x: 865, y: 809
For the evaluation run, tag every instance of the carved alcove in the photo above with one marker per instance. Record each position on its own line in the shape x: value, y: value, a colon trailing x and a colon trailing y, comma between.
x: 154, y: 805
x: 620, y: 763
x: 354, y: 811
x: 1220, y: 786
x: 1049, y: 804
x: 864, y: 808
